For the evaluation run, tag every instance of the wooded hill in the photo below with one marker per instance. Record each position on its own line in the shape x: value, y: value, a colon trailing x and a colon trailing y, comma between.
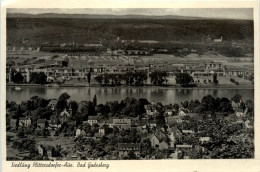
x: 93, y: 30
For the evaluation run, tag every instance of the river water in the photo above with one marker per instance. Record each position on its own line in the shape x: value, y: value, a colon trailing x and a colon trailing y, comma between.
x: 105, y: 94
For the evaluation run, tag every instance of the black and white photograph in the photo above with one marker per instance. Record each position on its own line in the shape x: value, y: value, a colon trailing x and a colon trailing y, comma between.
x: 129, y: 84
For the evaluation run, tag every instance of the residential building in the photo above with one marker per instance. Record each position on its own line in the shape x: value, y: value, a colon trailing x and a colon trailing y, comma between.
x: 98, y: 135
x: 157, y: 138
x: 13, y: 124
x: 154, y: 141
x: 41, y: 150
x: 123, y: 123
x: 52, y: 104
x: 64, y: 116
x: 78, y: 132
x: 236, y: 105
x: 125, y: 148
x: 187, y: 131
x: 54, y: 122
x: 218, y: 40
x: 182, y: 113
x: 163, y: 145
x: 92, y: 120
x: 204, y: 139
x: 41, y: 124
x: 24, y: 121
x: 50, y: 150
x: 102, y: 130
x: 151, y: 109
x: 240, y: 112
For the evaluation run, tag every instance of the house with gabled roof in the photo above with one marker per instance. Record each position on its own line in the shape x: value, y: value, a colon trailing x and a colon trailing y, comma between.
x: 163, y: 145
x: 54, y: 122
x: 204, y: 139
x: 125, y: 148
x: 183, y: 148
x: 92, y: 120
x: 98, y: 135
x: 52, y: 104
x: 50, y: 150
x: 24, y: 121
x: 64, y: 116
x: 41, y: 150
x: 157, y: 138
x: 236, y: 105
x: 101, y: 130
x: 182, y: 113
x: 240, y: 112
x: 41, y: 124
x: 122, y: 123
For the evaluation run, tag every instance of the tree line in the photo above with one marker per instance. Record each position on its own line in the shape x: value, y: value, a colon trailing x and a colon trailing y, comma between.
x: 136, y: 78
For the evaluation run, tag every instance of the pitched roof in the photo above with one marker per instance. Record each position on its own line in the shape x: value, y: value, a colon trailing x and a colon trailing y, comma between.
x: 204, y: 138
x: 24, y: 118
x: 98, y: 135
x: 239, y: 110
x: 49, y: 147
x: 183, y: 146
x: 41, y: 120
x: 188, y: 131
x: 127, y: 146
x: 53, y: 101
x: 161, y: 136
x: 13, y: 120
x: 92, y: 117
x: 65, y: 112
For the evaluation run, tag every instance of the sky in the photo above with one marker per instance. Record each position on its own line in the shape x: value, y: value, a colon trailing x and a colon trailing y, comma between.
x: 230, y: 13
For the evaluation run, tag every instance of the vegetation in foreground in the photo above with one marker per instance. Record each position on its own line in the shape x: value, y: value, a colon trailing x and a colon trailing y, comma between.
x: 226, y: 125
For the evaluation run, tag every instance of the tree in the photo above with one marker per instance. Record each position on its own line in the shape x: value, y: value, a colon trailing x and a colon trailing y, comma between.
x: 62, y: 102
x: 38, y: 78
x: 21, y: 133
x: 95, y: 101
x: 89, y: 76
x: 215, y: 79
x: 129, y: 78
x: 209, y: 103
x: 184, y: 79
x: 140, y: 78
x: 106, y: 79
x: 18, y: 78
x: 158, y: 77
x: 176, y: 107
x: 236, y: 98
x: 99, y: 79
x: 74, y: 106
x: 160, y: 120
x: 225, y: 105
x: 131, y: 155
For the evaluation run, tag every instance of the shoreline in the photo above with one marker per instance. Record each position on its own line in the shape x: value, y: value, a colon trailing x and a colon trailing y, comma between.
x: 125, y: 86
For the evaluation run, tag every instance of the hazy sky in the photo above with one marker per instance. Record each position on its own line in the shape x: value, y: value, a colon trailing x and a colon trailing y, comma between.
x: 232, y: 13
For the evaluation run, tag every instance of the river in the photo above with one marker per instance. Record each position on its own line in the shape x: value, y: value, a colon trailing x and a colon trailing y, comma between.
x: 105, y: 94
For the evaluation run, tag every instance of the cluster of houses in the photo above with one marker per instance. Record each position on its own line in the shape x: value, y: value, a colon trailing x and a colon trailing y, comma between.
x: 80, y: 69
x: 162, y: 139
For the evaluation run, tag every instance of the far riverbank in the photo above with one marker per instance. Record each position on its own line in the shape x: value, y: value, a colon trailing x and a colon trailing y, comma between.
x: 222, y: 86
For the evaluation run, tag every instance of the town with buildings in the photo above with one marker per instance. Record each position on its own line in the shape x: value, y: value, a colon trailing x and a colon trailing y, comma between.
x: 195, y: 78
x: 62, y: 129
x: 66, y: 68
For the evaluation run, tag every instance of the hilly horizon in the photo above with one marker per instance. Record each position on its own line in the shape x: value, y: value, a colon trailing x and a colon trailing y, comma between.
x: 109, y: 16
